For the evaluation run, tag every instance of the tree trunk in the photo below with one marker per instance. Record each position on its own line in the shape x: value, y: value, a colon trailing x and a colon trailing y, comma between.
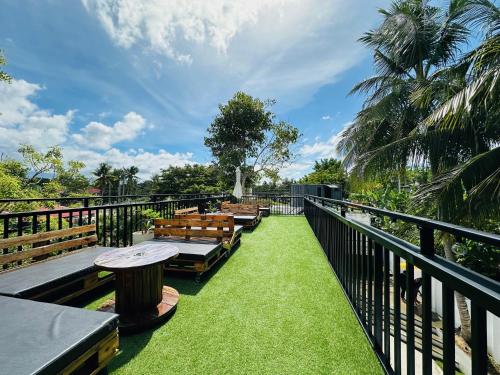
x: 463, y: 310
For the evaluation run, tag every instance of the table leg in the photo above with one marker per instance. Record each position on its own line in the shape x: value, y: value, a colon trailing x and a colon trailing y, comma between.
x: 141, y: 299
x: 139, y: 290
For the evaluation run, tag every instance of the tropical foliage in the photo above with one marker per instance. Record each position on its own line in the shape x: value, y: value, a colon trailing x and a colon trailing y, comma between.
x: 244, y: 134
x: 431, y: 106
x: 39, y: 175
x: 326, y: 171
x: 194, y: 178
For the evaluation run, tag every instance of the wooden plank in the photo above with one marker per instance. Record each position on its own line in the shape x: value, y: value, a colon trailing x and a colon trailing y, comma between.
x: 105, y: 350
x: 183, y: 211
x: 45, y: 236
x: 240, y: 208
x: 227, y: 218
x: 190, y: 223
x: 212, y: 233
x: 78, y: 286
x: 56, y: 246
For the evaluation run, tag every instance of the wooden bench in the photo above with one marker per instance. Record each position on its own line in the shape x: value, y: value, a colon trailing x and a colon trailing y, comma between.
x: 232, y: 232
x: 202, y: 240
x: 52, y: 266
x: 186, y: 211
x: 247, y: 215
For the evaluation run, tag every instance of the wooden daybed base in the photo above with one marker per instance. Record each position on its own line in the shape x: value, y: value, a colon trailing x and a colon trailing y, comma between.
x: 46, y: 276
x: 265, y: 211
x: 43, y: 338
x: 247, y: 215
x: 202, y: 240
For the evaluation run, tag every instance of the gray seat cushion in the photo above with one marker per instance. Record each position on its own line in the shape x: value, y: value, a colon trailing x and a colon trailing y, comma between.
x: 241, y: 218
x: 192, y: 250
x: 31, y: 280
x: 43, y: 338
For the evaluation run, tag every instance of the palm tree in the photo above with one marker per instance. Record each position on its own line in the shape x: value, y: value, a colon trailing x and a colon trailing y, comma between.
x: 426, y: 108
x: 104, y: 177
x: 413, y: 40
x: 131, y: 178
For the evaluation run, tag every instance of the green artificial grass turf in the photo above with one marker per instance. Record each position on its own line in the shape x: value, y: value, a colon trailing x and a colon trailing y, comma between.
x: 274, y: 307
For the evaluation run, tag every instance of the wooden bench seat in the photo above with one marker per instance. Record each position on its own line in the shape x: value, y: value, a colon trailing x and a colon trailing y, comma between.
x: 202, y: 240
x: 247, y: 215
x: 44, y: 273
x: 43, y: 338
x: 232, y: 232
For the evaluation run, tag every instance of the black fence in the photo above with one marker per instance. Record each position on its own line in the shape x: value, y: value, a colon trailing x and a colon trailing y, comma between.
x: 115, y: 223
x: 6, y: 204
x: 367, y: 263
x: 278, y: 204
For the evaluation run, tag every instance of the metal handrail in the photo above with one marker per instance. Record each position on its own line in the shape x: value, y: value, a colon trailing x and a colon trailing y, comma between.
x: 360, y: 256
x: 421, y: 222
x: 105, y: 197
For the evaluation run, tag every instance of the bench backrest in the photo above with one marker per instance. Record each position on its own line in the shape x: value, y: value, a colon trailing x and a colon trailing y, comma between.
x: 185, y: 211
x: 198, y: 226
x: 240, y: 209
x: 44, y: 243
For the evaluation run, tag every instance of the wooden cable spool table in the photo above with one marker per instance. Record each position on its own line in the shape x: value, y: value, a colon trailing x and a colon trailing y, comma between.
x: 141, y: 299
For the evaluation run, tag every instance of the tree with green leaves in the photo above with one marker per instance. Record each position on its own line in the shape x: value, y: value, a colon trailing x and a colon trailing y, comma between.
x: 131, y: 179
x: 244, y: 134
x: 41, y: 164
x: 72, y: 178
x: 326, y: 171
x: 188, y: 179
x: 104, y: 178
x: 40, y: 175
x: 427, y: 106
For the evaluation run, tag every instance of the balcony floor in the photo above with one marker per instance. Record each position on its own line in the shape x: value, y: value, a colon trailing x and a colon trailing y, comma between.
x: 273, y: 307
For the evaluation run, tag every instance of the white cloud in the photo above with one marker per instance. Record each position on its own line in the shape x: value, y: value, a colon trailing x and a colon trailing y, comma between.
x: 326, y: 117
x: 323, y: 149
x: 99, y: 136
x: 22, y: 121
x: 296, y: 170
x: 270, y: 48
x: 164, y: 24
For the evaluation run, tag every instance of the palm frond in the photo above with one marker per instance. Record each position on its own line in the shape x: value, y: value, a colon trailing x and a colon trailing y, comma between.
x: 469, y: 188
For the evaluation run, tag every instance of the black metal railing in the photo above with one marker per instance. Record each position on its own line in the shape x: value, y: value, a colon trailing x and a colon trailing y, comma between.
x: 115, y: 223
x: 278, y: 204
x: 93, y: 200
x: 367, y: 263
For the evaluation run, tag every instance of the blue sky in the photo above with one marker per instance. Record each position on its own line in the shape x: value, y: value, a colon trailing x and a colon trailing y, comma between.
x: 138, y: 82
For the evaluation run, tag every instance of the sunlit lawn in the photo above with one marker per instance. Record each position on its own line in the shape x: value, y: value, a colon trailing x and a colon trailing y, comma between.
x: 273, y: 307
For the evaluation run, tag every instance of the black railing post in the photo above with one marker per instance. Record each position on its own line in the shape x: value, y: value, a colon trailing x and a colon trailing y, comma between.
x: 377, y: 289
x: 427, y: 249
x: 448, y: 331
x: 478, y: 340
x: 85, y: 202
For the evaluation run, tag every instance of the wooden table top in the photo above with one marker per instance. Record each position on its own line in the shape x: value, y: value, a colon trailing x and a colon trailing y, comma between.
x: 136, y: 256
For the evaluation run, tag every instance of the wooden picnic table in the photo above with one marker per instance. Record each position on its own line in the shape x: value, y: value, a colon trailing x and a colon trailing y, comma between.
x: 141, y: 299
